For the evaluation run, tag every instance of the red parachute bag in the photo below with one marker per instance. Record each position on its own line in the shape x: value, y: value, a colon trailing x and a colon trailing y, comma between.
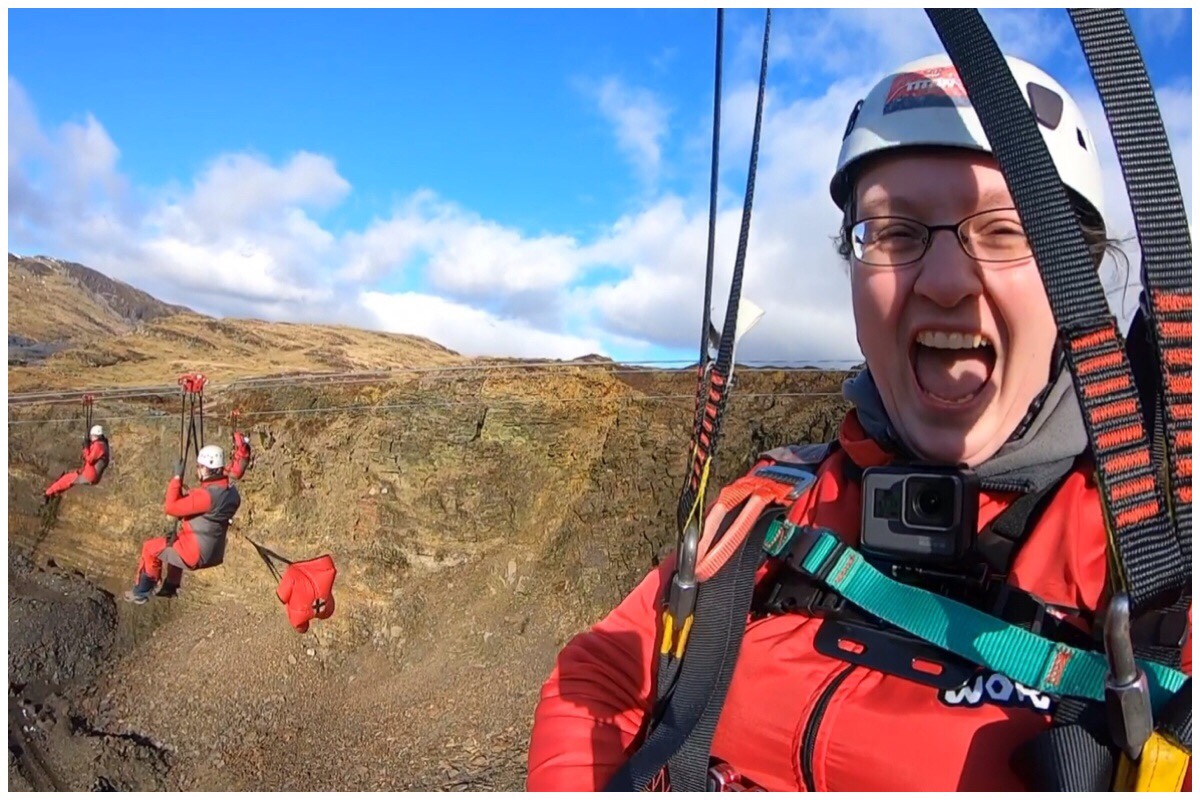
x: 305, y: 587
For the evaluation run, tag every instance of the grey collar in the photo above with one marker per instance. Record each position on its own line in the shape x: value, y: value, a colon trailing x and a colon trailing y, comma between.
x: 1037, y: 456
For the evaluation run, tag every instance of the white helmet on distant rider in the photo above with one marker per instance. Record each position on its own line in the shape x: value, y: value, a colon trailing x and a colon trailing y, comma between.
x: 212, y: 457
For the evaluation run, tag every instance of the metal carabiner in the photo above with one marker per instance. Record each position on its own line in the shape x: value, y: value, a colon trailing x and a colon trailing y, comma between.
x: 682, y: 601
x: 1126, y: 692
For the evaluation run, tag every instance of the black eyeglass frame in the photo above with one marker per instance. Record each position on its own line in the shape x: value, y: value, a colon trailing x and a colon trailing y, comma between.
x: 956, y: 228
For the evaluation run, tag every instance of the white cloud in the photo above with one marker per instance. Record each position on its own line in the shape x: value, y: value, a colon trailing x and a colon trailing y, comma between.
x: 469, y: 330
x: 461, y: 253
x: 25, y: 137
x: 240, y: 188
x: 640, y: 123
x: 246, y: 236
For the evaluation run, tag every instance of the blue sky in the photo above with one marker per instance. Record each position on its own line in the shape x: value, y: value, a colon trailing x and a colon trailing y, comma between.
x: 528, y: 183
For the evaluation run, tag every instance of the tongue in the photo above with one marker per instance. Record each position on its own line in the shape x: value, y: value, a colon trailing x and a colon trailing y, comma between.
x: 953, y: 374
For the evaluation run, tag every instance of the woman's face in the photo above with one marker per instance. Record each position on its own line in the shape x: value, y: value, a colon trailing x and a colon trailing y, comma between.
x: 958, y: 348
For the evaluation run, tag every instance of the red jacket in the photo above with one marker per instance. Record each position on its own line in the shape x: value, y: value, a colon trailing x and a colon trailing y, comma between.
x: 206, y: 513
x: 795, y: 719
x: 95, y: 457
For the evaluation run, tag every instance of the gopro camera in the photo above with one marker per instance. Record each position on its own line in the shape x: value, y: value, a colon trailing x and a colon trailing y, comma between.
x: 919, y: 514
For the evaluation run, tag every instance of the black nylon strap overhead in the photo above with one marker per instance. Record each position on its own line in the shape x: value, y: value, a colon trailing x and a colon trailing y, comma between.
x: 1148, y: 552
x: 183, y: 419
x: 708, y: 430
x: 714, y: 182
x: 1152, y: 182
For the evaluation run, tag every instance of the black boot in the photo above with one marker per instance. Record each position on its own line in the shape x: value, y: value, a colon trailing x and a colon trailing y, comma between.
x: 170, y: 584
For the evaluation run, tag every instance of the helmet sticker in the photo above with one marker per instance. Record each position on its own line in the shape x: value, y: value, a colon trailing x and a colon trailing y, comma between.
x: 927, y: 88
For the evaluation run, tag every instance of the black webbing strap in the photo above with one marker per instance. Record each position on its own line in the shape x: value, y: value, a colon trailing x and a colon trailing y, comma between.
x: 1152, y: 182
x: 267, y: 556
x: 714, y: 183
x: 1075, y: 755
x: 685, y: 730
x: 188, y: 436
x: 1175, y: 721
x: 708, y: 431
x: 712, y: 393
x: 1000, y: 539
x: 1143, y: 357
x: 1161, y: 335
x: 1148, y: 555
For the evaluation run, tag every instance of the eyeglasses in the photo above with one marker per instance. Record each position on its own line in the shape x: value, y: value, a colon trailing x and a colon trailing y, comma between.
x: 994, y: 236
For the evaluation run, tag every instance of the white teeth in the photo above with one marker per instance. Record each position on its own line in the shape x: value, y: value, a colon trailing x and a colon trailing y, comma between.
x: 956, y: 401
x: 952, y: 340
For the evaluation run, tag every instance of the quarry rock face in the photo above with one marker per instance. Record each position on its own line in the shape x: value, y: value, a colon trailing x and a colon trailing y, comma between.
x: 479, y: 516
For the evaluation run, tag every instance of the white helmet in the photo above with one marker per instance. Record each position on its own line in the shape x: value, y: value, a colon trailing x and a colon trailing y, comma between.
x: 97, y: 430
x: 925, y: 103
x: 211, y: 456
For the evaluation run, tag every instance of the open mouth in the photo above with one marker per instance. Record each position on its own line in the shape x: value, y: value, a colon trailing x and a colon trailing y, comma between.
x: 951, y: 366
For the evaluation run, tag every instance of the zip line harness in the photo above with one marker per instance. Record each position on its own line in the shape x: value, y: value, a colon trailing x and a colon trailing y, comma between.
x: 87, y: 417
x: 191, y: 414
x: 1136, y: 401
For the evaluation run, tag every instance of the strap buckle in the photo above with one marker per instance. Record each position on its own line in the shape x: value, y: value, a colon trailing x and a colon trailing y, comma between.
x: 803, y: 540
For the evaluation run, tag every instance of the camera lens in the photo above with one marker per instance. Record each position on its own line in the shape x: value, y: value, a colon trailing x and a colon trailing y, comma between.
x: 930, y: 502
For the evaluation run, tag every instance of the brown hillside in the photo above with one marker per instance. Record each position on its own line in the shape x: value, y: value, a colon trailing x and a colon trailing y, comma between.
x: 159, y: 351
x: 55, y: 303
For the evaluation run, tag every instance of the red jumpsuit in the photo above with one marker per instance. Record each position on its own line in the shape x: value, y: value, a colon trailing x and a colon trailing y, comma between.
x: 795, y: 719
x: 95, y: 461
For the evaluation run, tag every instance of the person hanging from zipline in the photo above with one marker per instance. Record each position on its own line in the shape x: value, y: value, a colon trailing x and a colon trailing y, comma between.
x: 96, y: 455
x: 204, y: 514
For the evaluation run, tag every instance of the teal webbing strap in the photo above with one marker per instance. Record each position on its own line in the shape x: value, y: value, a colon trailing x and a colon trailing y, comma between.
x: 1025, y: 657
